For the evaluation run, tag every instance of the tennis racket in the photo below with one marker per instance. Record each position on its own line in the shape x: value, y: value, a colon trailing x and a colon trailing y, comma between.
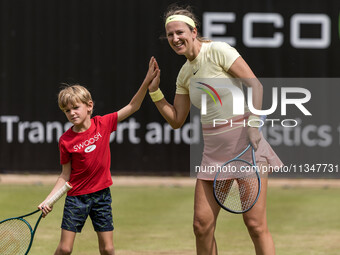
x: 16, y: 234
x: 237, y: 185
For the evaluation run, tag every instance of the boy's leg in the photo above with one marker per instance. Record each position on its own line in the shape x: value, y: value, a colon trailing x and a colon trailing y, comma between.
x: 102, y: 220
x: 66, y: 242
x: 75, y: 214
x: 105, y: 240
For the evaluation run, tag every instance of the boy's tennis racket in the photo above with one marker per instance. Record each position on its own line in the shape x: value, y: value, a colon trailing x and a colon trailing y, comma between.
x: 16, y: 234
x: 237, y: 185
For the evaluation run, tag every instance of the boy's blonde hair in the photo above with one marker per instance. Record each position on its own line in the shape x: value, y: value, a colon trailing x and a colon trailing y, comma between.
x: 73, y: 94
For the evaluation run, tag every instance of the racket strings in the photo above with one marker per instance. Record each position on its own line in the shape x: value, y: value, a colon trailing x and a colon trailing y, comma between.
x: 15, y: 237
x: 237, y: 186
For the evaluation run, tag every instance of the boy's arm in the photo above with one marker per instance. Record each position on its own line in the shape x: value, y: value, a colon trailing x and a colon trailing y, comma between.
x: 138, y: 98
x: 62, y: 179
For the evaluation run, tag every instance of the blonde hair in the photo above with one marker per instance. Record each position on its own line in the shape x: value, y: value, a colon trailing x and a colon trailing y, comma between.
x: 174, y: 9
x: 73, y: 94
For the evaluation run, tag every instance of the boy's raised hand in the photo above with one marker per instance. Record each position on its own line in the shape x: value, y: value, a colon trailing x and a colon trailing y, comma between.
x: 154, y: 85
x: 138, y: 98
x: 152, y: 72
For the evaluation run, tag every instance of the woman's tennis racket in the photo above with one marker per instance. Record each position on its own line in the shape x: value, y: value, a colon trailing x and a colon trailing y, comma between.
x: 237, y: 185
x: 16, y: 234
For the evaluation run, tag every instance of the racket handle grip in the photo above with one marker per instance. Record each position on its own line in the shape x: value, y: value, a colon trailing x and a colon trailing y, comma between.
x: 59, y: 194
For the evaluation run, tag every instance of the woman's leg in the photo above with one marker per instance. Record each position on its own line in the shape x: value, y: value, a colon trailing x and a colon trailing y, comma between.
x: 206, y: 211
x: 256, y: 222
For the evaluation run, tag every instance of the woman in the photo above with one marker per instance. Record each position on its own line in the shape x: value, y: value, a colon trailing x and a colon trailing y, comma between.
x: 207, y: 59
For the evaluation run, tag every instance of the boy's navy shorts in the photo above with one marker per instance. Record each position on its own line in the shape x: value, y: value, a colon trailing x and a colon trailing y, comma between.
x: 97, y: 205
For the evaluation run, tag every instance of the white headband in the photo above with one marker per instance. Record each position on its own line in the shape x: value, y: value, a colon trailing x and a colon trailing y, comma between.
x: 182, y: 18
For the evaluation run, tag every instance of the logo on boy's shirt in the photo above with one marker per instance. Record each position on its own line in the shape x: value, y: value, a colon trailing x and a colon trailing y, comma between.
x: 88, y: 144
x: 90, y: 148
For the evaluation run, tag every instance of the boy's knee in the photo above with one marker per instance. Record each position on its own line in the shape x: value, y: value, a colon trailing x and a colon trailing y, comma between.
x: 64, y: 250
x: 107, y: 250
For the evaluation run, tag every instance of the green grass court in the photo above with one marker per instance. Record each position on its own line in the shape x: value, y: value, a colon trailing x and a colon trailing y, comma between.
x: 158, y: 220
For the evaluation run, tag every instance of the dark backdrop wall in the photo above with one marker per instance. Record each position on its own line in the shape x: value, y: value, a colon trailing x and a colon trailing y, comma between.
x: 106, y: 46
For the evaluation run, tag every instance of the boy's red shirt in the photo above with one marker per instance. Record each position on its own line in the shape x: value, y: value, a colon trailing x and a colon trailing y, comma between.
x: 89, y: 153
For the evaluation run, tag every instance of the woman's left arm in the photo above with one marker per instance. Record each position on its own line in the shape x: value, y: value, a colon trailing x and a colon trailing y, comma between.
x: 240, y: 69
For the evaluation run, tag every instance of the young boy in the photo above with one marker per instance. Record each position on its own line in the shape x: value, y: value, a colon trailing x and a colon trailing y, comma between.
x: 85, y: 158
